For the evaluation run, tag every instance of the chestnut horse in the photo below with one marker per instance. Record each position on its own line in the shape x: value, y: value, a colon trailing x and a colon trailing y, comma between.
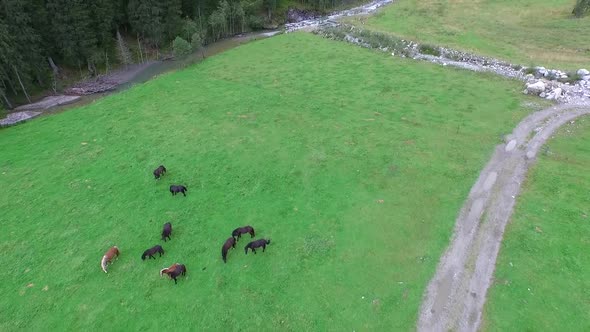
x: 158, y: 172
x: 152, y: 251
x: 243, y: 230
x: 108, y: 257
x: 229, y: 243
x: 174, y: 271
x: 256, y: 244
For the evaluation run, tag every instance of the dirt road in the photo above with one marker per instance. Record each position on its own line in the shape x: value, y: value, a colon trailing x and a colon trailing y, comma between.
x: 456, y: 295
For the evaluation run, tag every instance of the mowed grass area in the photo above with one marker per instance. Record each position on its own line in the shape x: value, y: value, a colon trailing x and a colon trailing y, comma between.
x: 542, y: 279
x: 527, y: 32
x: 354, y: 163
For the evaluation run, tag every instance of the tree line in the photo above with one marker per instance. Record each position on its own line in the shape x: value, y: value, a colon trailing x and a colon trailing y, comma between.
x: 41, y: 38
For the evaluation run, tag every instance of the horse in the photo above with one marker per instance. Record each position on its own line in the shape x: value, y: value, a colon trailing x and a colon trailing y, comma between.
x: 158, y: 172
x: 166, y: 231
x: 174, y: 271
x: 152, y: 251
x: 230, y: 242
x: 243, y: 230
x: 108, y: 257
x: 175, y: 189
x: 257, y: 244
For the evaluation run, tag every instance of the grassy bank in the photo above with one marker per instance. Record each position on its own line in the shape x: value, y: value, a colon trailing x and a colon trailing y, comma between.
x: 542, y: 279
x: 527, y: 32
x: 354, y: 163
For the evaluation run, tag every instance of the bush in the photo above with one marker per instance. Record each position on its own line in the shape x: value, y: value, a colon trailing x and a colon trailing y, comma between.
x: 582, y: 8
x: 181, y: 47
x: 429, y: 49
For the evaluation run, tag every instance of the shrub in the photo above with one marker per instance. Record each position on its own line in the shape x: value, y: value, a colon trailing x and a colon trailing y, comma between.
x: 181, y: 47
x: 429, y: 49
x: 572, y: 78
x: 582, y: 8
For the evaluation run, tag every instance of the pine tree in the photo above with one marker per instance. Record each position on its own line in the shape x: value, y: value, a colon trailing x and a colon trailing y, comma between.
x: 123, y: 51
x: 172, y: 22
x: 145, y: 17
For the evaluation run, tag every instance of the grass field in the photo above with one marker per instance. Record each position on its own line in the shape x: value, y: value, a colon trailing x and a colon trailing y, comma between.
x: 526, y: 32
x: 354, y: 163
x: 542, y: 278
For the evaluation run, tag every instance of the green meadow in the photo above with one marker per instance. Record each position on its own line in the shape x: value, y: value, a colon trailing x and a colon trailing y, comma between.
x: 354, y: 163
x: 542, y: 278
x: 527, y: 32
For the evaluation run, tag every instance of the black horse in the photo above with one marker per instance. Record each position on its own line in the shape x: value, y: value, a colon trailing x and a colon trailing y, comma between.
x: 166, y: 231
x: 158, y: 172
x: 175, y: 189
x: 152, y: 251
x: 257, y: 244
x: 229, y: 243
x: 243, y: 230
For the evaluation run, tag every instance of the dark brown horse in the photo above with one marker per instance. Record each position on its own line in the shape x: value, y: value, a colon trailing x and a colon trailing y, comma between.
x: 229, y: 243
x: 158, y: 172
x: 166, y: 231
x: 175, y: 189
x: 243, y: 230
x: 152, y: 251
x: 108, y: 257
x: 257, y: 244
x: 174, y: 271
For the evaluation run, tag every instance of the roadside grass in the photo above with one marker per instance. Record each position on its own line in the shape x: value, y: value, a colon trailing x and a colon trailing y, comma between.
x: 541, y: 32
x: 354, y: 163
x: 542, y: 277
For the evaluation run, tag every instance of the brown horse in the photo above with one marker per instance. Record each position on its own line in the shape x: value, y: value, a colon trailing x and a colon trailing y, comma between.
x: 243, y: 230
x: 108, y: 257
x: 158, y: 172
x: 256, y: 244
x: 174, y: 271
x: 229, y: 243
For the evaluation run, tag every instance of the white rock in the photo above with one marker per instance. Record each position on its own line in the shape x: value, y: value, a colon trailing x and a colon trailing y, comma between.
x: 542, y: 95
x: 586, y: 78
x: 535, y: 88
x: 583, y: 72
x: 541, y: 70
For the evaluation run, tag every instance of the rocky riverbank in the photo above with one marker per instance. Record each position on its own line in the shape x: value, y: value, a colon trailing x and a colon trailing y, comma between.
x: 546, y: 83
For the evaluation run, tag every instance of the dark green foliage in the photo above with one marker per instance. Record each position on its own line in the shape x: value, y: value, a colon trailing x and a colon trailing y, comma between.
x: 81, y: 35
x: 181, y: 47
x: 429, y: 49
x: 582, y: 8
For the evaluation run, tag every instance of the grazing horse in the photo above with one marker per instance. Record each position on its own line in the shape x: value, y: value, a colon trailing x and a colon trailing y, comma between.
x: 175, y: 189
x: 158, y: 172
x: 108, y: 257
x: 166, y: 231
x: 229, y: 243
x: 257, y: 244
x: 152, y: 251
x: 174, y: 271
x: 243, y: 230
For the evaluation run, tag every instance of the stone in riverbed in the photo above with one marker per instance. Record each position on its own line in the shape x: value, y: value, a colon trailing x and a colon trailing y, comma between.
x: 583, y: 72
x: 535, y: 88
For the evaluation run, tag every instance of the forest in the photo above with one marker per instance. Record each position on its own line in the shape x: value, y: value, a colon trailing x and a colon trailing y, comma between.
x: 44, y: 43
